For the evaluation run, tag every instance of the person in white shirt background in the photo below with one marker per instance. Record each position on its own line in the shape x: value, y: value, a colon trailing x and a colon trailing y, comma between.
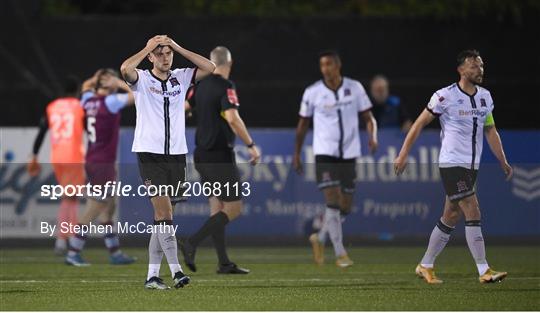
x: 334, y: 103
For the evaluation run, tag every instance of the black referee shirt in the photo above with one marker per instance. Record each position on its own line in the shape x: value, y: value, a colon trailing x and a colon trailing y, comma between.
x: 209, y: 99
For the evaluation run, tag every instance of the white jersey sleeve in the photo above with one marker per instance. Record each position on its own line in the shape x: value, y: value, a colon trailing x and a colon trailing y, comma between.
x: 136, y: 83
x: 306, y: 107
x: 185, y: 75
x: 362, y: 100
x: 488, y: 118
x: 436, y: 103
x: 491, y: 105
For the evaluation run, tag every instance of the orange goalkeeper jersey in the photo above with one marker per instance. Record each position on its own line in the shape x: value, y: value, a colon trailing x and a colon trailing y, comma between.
x: 65, y: 118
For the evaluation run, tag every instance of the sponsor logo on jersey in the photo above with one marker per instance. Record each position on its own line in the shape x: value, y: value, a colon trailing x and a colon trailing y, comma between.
x: 165, y: 93
x: 472, y: 112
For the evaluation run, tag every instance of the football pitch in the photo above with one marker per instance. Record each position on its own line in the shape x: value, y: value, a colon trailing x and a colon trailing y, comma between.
x: 281, y: 279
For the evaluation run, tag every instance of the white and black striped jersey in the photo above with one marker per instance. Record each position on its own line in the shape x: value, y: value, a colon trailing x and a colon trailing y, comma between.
x: 335, y: 117
x: 462, y: 119
x: 160, y: 125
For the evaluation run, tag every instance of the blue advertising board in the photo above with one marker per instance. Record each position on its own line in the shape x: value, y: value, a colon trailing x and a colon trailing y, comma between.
x: 281, y: 202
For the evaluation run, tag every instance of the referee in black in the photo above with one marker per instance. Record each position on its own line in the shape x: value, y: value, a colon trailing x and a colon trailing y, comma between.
x: 215, y: 104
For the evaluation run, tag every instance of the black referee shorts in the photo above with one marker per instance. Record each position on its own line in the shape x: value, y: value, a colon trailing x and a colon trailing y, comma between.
x: 332, y: 172
x: 161, y: 170
x: 219, y: 166
x: 459, y: 182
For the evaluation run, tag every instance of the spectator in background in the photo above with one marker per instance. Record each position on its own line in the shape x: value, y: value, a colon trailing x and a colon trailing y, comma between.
x: 387, y: 108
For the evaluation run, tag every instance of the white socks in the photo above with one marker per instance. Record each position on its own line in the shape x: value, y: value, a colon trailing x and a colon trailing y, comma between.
x: 155, y: 254
x: 437, y: 241
x: 169, y: 245
x: 332, y: 226
x: 324, y: 229
x: 440, y: 236
x: 475, y: 241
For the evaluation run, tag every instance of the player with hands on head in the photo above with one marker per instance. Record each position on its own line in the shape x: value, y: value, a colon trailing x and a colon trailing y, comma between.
x: 160, y: 140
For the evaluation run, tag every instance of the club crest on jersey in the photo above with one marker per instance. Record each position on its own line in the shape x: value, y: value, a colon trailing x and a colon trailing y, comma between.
x: 482, y: 102
x: 231, y: 95
x: 347, y: 92
x: 460, y: 101
x: 174, y: 82
x: 441, y: 99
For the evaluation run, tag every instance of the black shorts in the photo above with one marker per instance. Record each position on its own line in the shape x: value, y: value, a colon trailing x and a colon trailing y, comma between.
x: 166, y: 172
x: 459, y: 182
x: 332, y: 172
x: 219, y: 166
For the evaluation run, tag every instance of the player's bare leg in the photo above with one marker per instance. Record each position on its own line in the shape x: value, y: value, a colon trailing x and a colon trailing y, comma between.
x: 215, y: 205
x: 438, y: 240
x: 475, y: 240
x: 166, y: 238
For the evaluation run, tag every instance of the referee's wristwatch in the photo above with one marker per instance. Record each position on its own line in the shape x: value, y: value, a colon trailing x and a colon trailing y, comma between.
x: 251, y: 145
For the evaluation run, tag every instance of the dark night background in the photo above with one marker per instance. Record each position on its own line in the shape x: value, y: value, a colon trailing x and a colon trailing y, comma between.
x: 275, y: 46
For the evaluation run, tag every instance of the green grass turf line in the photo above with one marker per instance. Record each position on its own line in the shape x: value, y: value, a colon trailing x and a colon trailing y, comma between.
x: 281, y: 279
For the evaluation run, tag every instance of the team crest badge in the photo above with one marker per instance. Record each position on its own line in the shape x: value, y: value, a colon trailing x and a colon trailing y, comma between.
x: 461, y: 186
x: 174, y: 82
x: 483, y: 102
x: 347, y: 92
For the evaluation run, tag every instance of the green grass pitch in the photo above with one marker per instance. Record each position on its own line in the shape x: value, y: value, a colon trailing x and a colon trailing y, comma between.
x: 281, y: 279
